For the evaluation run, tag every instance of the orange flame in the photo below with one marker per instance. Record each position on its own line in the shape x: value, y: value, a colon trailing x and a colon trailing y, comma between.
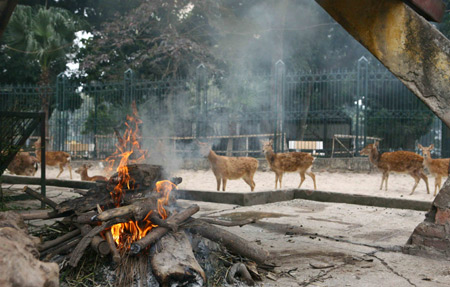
x: 125, y: 234
x: 127, y: 147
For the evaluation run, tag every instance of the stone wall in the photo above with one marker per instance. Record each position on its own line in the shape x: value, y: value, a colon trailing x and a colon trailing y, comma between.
x: 432, y: 236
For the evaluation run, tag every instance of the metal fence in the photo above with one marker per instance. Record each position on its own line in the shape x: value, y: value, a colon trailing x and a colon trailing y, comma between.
x: 331, y: 113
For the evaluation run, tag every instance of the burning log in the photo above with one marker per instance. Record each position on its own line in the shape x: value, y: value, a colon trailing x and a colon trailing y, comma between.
x: 76, y: 254
x: 112, y: 246
x: 173, y: 261
x: 138, y: 210
x: 229, y: 240
x: 158, y: 232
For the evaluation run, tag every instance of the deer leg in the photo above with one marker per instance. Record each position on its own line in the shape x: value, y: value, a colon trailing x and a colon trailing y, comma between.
x: 416, y: 177
x: 437, y: 183
x: 382, y: 180
x: 386, y: 181
x: 224, y: 183
x: 302, y: 176
x: 218, y: 179
x: 276, y: 180
x: 280, y: 178
x: 425, y: 178
x: 250, y: 182
x: 313, y: 176
x: 70, y: 170
x: 61, y: 169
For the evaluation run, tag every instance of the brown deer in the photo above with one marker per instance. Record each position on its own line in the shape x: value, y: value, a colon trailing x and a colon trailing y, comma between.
x: 225, y: 167
x: 54, y: 158
x: 23, y: 164
x: 82, y: 170
x: 280, y: 163
x: 397, y: 161
x: 438, y: 167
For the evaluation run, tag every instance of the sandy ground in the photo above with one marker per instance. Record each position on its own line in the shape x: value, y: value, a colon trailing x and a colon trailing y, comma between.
x: 399, y: 185
x: 352, y: 245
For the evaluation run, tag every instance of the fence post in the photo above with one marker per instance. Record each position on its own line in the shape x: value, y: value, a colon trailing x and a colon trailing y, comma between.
x: 128, y: 94
x: 60, y: 115
x: 202, y: 101
x: 361, y: 103
x: 280, y: 81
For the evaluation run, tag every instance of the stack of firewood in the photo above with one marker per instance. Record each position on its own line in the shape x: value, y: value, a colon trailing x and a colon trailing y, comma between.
x: 168, y: 245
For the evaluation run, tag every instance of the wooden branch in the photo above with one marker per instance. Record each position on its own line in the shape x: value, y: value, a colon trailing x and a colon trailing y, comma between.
x: 86, y: 218
x: 112, y: 246
x: 158, y: 232
x: 38, y: 214
x: 239, y: 223
x: 231, y: 241
x: 77, y: 253
x: 16, y: 179
x: 138, y: 210
x: 174, y: 262
x: 56, y: 241
x: 98, y: 243
x: 39, y: 197
x: 62, y: 247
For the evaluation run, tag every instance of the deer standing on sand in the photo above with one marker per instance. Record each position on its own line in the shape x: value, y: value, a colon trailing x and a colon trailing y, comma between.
x: 82, y: 170
x: 23, y: 164
x: 225, y: 167
x: 54, y: 158
x: 397, y: 161
x: 438, y: 167
x: 280, y: 163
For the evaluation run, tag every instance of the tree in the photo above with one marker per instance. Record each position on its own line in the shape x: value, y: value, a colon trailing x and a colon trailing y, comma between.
x: 44, y: 36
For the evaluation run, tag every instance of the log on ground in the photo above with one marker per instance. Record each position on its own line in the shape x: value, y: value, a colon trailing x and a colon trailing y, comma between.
x: 173, y: 261
x: 231, y: 241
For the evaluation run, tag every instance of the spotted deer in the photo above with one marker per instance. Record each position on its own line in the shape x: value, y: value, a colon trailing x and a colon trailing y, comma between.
x: 225, y: 168
x: 280, y: 163
x: 396, y: 161
x: 82, y: 170
x: 54, y: 158
x: 438, y: 167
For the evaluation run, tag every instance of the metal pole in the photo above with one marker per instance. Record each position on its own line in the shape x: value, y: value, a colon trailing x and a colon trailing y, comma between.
x: 43, y: 189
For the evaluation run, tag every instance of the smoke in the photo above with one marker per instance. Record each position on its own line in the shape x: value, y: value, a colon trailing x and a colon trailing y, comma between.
x: 250, y: 39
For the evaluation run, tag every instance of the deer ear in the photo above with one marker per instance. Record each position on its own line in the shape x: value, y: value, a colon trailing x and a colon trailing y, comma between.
x: 420, y: 146
x: 376, y: 143
x: 431, y: 146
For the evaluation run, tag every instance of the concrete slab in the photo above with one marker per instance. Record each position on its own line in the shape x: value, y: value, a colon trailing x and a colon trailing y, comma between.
x: 352, y: 245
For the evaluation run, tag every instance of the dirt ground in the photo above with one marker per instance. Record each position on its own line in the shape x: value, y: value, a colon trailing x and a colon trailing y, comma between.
x: 321, y: 244
x: 399, y: 185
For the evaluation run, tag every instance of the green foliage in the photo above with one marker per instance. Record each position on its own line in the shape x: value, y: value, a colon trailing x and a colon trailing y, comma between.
x: 103, y: 122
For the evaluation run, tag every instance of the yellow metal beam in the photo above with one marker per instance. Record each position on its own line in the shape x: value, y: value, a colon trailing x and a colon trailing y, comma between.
x: 410, y: 47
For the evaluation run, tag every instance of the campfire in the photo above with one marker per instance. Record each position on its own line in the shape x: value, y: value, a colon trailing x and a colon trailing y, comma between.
x: 135, y: 218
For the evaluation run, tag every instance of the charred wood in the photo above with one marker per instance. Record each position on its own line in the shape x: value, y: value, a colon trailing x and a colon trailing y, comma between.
x: 112, y: 246
x: 77, y: 253
x: 158, y: 232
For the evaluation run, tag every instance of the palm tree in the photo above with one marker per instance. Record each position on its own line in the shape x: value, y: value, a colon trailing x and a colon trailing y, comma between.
x: 47, y: 35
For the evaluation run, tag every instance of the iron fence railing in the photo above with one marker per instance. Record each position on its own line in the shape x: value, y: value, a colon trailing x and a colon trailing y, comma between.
x: 312, y: 107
